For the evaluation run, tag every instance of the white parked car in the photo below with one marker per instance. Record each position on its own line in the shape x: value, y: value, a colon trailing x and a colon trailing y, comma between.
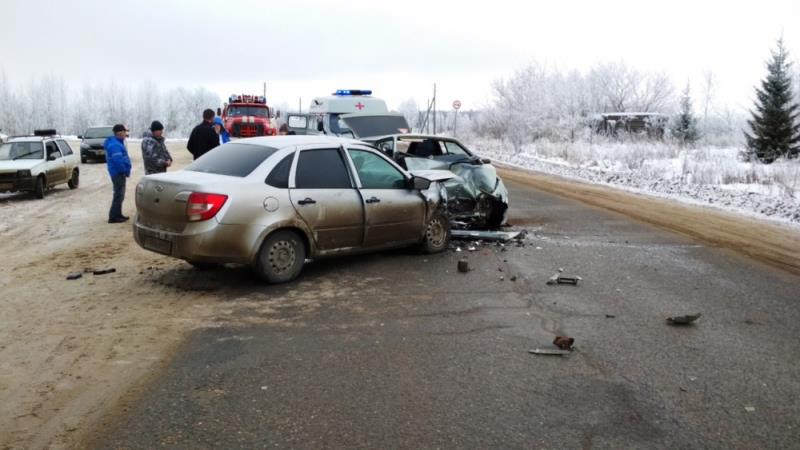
x: 37, y: 163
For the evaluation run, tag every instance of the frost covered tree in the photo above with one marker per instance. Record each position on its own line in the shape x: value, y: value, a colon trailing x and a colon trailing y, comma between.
x: 685, y: 126
x: 775, y: 131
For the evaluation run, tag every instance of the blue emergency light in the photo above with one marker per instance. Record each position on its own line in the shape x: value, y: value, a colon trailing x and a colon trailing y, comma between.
x: 345, y: 92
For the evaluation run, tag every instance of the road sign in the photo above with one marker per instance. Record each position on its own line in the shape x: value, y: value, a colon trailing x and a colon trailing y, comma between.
x: 457, y: 104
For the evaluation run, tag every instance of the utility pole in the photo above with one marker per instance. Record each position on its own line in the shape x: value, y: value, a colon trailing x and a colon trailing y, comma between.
x: 434, y: 108
x: 300, y: 105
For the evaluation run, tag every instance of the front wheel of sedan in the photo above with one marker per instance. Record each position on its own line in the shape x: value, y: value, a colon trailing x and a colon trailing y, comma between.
x: 437, y: 234
x: 281, y: 257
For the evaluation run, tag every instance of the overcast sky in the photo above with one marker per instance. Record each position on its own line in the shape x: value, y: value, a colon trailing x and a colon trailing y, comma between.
x: 305, y: 48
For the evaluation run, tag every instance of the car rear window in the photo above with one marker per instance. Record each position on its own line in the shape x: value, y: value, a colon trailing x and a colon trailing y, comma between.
x: 232, y: 159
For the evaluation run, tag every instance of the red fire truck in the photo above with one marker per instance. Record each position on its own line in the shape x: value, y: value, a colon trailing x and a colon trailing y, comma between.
x: 248, y: 116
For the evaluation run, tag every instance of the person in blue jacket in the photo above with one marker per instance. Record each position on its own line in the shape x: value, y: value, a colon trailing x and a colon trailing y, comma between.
x: 119, y: 168
x: 219, y: 127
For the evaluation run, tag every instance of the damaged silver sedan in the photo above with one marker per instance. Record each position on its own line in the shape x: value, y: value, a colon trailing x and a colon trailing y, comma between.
x: 476, y: 195
x: 273, y: 202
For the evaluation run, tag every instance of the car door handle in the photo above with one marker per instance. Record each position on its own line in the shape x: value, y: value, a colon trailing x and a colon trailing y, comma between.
x: 306, y: 201
x: 373, y: 199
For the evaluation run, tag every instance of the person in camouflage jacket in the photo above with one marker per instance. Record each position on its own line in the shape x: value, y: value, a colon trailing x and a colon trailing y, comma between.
x: 154, y: 150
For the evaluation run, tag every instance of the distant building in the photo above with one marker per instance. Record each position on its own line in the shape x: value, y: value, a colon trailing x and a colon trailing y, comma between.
x: 644, y: 123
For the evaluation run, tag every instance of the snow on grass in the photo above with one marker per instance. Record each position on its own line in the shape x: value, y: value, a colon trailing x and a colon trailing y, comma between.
x: 707, y: 175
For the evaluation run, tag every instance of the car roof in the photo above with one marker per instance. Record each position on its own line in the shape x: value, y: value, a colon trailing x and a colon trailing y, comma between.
x: 32, y: 138
x: 292, y: 140
x: 412, y: 136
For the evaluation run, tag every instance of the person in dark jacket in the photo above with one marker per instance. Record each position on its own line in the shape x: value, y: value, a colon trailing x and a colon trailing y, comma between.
x: 154, y: 150
x: 119, y: 168
x: 203, y: 137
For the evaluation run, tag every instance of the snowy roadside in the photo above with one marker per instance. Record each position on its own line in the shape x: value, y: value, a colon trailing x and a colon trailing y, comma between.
x: 706, y: 176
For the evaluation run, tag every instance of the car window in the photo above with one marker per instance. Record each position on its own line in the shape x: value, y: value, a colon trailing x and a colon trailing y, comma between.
x: 11, y: 151
x: 66, y: 150
x: 232, y: 159
x: 375, y: 172
x: 279, y: 177
x: 454, y: 149
x: 321, y: 169
x: 51, y: 148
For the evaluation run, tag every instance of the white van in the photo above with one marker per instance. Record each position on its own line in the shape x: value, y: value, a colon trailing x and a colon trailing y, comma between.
x: 326, y: 114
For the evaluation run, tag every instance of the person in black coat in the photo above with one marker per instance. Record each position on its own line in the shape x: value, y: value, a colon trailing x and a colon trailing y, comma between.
x: 203, y: 137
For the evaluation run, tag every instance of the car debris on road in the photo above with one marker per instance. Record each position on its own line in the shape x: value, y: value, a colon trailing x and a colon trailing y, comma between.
x: 549, y: 352
x: 463, y: 266
x: 564, y: 342
x: 683, y: 320
x: 74, y: 276
x: 104, y: 271
x: 561, y: 279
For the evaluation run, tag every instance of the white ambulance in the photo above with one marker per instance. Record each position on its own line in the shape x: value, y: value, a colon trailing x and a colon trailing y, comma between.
x: 326, y: 112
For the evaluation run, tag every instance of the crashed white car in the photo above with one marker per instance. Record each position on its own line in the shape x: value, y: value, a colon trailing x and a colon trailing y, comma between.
x: 37, y: 163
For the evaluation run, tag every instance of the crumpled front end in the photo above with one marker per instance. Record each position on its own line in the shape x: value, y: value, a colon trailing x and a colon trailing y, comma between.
x: 475, y: 196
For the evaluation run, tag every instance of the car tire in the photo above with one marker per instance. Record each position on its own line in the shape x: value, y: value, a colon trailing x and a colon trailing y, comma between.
x: 437, y: 234
x: 75, y: 180
x: 38, y: 188
x: 281, y: 257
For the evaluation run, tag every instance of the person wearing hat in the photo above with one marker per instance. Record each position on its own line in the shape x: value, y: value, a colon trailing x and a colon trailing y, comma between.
x: 219, y: 127
x: 155, y: 155
x: 119, y: 168
x: 203, y: 137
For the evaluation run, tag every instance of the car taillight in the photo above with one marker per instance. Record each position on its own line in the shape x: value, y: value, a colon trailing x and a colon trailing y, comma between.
x: 202, y: 206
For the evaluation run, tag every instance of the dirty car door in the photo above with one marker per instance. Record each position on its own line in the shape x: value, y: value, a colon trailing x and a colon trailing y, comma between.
x: 395, y: 213
x: 324, y: 196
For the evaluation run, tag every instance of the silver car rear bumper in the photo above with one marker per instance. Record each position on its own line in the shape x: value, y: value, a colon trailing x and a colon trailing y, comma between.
x: 208, y: 241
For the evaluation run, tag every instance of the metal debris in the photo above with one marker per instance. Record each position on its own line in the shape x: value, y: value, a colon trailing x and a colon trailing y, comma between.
x: 683, y: 320
x: 564, y: 342
x: 501, y: 236
x: 549, y: 351
x: 463, y: 265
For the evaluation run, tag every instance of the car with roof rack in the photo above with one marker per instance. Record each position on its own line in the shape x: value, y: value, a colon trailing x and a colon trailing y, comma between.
x: 37, y: 163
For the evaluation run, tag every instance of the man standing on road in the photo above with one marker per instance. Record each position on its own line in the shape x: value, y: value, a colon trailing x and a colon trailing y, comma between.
x: 154, y: 150
x: 203, y: 137
x: 119, y: 167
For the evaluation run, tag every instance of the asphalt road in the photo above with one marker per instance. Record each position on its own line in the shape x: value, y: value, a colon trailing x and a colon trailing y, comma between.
x: 398, y: 350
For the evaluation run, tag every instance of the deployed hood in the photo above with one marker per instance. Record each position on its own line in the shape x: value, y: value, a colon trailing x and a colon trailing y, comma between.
x: 20, y: 164
x: 370, y: 125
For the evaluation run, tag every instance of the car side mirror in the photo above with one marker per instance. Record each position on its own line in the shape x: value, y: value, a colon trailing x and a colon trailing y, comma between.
x: 80, y: 136
x: 486, y: 161
x: 420, y: 183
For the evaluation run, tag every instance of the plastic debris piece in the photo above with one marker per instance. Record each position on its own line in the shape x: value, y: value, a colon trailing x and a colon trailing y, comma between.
x: 513, y: 278
x: 74, y: 276
x: 104, y: 271
x: 610, y: 316
x: 463, y: 265
x: 750, y: 408
x: 549, y: 351
x: 561, y: 279
x: 683, y: 320
x: 564, y: 342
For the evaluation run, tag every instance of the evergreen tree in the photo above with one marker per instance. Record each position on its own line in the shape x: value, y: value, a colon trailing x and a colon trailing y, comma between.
x: 685, y: 128
x: 774, y: 125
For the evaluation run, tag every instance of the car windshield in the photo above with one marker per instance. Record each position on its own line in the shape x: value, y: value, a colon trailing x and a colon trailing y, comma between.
x: 98, y: 132
x: 239, y: 111
x: 376, y: 125
x: 11, y: 151
x: 232, y: 159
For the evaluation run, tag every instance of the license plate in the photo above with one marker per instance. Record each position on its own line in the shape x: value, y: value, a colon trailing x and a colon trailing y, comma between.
x: 6, y: 186
x: 158, y: 245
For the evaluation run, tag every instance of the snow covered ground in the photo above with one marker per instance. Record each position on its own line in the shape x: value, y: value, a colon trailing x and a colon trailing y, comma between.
x: 708, y: 176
